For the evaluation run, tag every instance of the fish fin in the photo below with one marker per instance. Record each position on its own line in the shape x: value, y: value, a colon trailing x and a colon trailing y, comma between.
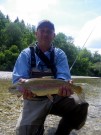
x: 50, y: 97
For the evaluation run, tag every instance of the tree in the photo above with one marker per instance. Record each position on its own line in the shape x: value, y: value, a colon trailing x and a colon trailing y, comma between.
x: 14, y: 35
x: 83, y: 62
x: 60, y: 40
x: 4, y: 21
x: 8, y: 58
x: 66, y: 44
x: 96, y: 57
x: 16, y: 20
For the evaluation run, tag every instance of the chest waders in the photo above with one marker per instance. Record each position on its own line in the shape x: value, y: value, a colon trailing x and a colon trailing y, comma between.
x: 48, y: 62
x: 37, y: 74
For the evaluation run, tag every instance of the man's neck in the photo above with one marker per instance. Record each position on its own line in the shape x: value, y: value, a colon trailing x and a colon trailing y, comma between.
x: 44, y: 48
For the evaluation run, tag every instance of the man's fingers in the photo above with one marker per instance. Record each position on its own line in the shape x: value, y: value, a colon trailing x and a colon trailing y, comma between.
x: 22, y: 80
x: 65, y: 91
x: 70, y: 81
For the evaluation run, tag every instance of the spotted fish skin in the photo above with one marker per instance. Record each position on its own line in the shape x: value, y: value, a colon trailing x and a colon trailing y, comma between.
x: 43, y: 86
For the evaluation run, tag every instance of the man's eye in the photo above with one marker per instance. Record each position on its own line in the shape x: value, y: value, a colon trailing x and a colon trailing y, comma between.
x: 47, y: 32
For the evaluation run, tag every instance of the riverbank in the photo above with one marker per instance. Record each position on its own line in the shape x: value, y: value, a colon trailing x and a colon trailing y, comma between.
x: 11, y: 108
x: 8, y: 75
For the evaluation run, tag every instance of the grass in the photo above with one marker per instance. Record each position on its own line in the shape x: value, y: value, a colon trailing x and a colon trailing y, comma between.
x: 9, y: 109
x: 4, y: 85
x: 4, y: 94
x: 7, y: 100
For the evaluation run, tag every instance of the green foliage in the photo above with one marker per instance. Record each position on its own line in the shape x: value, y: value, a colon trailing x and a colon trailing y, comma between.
x: 83, y: 62
x: 4, y: 21
x: 8, y: 58
x: 80, y: 60
x: 14, y: 35
x: 60, y: 40
x: 14, y: 49
x: 96, y: 57
x: 95, y: 69
x: 81, y: 67
x: 66, y: 44
x: 2, y: 58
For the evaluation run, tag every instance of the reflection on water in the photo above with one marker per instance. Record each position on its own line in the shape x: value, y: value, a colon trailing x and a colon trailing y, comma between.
x: 92, y: 89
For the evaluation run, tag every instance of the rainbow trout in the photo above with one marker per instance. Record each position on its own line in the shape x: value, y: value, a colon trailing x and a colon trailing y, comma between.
x: 43, y: 86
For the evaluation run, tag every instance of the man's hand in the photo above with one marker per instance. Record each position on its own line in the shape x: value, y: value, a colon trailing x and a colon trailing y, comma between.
x: 27, y: 94
x: 65, y: 90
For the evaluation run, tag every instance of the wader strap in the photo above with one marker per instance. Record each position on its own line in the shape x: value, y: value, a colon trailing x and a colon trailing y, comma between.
x: 33, y: 60
x: 49, y: 63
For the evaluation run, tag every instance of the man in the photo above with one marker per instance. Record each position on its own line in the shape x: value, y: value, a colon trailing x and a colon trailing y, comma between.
x: 35, y: 109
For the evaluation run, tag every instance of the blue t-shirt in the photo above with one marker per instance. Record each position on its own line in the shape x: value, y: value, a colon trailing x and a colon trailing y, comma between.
x: 22, y: 66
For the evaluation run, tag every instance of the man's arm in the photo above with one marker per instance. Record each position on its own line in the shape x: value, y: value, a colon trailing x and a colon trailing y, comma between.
x: 21, y: 71
x: 63, y: 72
x: 62, y: 66
x: 22, y: 66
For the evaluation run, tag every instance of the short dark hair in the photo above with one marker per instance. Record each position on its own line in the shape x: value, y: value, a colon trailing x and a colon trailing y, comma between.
x: 45, y: 23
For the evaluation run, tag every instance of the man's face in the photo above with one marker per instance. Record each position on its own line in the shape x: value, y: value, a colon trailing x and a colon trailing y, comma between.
x: 45, y: 36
